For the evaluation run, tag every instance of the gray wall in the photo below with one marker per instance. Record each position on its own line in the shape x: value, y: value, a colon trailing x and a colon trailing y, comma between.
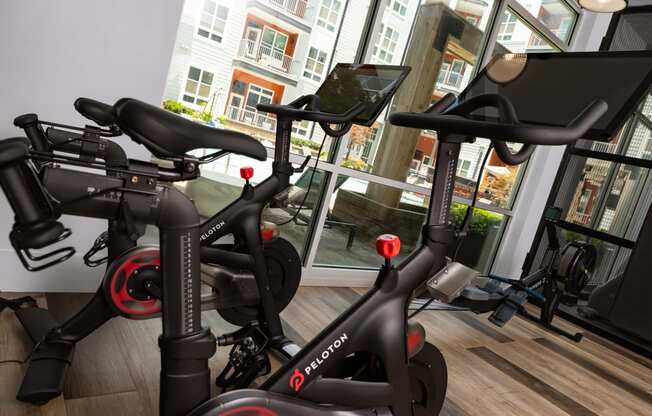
x: 52, y: 52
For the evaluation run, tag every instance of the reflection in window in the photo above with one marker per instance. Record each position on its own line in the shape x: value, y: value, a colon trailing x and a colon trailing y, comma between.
x: 517, y: 37
x: 213, y: 21
x: 555, y: 15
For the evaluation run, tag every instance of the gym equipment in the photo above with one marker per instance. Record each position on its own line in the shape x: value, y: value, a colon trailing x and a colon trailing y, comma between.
x: 370, y: 360
x: 134, y: 290
x: 563, y: 274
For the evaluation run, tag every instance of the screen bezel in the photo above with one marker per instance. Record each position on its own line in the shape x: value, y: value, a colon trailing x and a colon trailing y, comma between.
x: 621, y: 117
x: 368, y: 121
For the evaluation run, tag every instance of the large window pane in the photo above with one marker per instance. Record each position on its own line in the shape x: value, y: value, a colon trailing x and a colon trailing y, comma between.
x: 602, y: 195
x: 221, y: 184
x: 517, y: 37
x: 408, y: 155
x: 556, y: 15
x: 359, y: 211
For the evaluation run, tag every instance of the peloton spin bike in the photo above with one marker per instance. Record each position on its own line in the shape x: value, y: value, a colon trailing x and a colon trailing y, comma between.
x: 235, y: 295
x: 370, y: 360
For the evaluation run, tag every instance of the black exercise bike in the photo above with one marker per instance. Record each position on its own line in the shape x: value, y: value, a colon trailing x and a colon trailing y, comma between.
x: 370, y: 360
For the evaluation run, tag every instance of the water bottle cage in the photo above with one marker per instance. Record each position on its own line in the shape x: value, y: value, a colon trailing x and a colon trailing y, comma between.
x: 36, y: 262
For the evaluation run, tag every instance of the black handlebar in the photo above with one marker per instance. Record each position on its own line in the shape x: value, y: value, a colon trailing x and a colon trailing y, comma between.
x: 447, y: 118
x: 36, y: 224
x: 34, y: 131
x: 306, y: 108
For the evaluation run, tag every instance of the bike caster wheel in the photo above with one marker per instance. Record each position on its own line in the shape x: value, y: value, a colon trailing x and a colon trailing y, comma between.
x: 428, y: 381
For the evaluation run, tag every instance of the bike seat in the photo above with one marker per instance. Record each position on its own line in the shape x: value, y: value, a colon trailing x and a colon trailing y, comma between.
x: 100, y: 113
x: 168, y: 135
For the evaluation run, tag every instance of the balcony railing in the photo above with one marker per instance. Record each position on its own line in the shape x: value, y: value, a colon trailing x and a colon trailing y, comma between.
x: 252, y: 118
x: 296, y: 7
x: 265, y: 55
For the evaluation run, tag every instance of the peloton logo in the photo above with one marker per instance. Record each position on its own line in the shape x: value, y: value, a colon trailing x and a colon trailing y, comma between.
x: 297, y: 378
x: 296, y: 381
x: 212, y: 230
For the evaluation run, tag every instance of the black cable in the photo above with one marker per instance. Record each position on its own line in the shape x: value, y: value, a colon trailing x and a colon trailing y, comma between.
x: 312, y: 176
x: 421, y: 308
x: 469, y: 211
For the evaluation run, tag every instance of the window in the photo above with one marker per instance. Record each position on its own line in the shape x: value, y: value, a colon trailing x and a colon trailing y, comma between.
x: 257, y: 95
x: 315, y: 64
x: 507, y: 26
x: 329, y: 12
x: 399, y: 7
x: 452, y: 73
x: 301, y: 128
x: 384, y: 49
x: 198, y: 86
x: 463, y: 168
x: 213, y: 21
x: 276, y: 41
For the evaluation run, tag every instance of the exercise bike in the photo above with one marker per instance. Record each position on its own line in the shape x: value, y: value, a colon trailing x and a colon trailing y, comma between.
x: 370, y: 360
x: 235, y: 294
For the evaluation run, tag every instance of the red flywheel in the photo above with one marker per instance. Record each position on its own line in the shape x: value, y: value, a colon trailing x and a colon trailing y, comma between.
x: 132, y: 282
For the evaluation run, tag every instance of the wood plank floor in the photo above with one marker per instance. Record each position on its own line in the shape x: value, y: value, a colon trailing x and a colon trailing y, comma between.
x: 516, y: 370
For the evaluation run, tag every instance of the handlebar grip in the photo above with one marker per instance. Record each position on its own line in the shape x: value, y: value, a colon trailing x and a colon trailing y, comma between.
x: 34, y: 131
x: 588, y: 117
x: 35, y: 220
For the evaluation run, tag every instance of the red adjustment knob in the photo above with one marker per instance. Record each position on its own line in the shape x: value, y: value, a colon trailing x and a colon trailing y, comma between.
x: 246, y: 173
x: 388, y: 245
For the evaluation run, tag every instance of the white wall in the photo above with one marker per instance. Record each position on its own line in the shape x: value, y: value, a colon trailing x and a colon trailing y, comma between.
x: 52, y: 52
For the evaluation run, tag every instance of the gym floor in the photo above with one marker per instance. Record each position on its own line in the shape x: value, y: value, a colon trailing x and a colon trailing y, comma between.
x: 516, y: 370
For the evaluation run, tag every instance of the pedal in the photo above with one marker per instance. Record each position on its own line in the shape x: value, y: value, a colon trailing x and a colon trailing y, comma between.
x: 248, y: 359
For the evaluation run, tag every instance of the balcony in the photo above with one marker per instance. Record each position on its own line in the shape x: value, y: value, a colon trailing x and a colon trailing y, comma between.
x: 252, y: 118
x: 295, y: 7
x: 265, y: 56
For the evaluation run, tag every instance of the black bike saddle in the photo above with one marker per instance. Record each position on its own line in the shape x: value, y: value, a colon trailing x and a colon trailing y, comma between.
x: 100, y: 113
x: 168, y: 135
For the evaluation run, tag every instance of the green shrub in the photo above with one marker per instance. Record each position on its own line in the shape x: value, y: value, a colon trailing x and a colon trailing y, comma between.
x: 480, y: 222
x: 356, y: 164
x: 305, y: 143
x: 179, y: 108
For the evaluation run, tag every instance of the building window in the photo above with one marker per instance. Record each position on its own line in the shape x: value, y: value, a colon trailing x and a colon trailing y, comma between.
x: 315, y: 64
x: 257, y: 95
x: 452, y: 73
x: 463, y: 168
x: 198, y: 86
x: 301, y: 128
x: 507, y: 27
x: 329, y: 12
x: 213, y: 21
x: 384, y: 49
x: 399, y: 7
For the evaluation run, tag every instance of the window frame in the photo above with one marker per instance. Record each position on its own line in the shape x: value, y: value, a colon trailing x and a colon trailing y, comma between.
x: 195, y: 96
x: 324, y: 22
x: 214, y: 17
x: 311, y: 72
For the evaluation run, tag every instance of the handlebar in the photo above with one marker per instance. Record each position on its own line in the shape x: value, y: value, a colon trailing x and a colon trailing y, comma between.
x: 448, y: 118
x: 34, y: 131
x: 36, y: 224
x: 306, y: 108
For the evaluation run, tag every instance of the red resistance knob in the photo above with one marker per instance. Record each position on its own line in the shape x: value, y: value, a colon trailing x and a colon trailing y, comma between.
x: 268, y: 231
x: 247, y: 173
x: 388, y: 245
